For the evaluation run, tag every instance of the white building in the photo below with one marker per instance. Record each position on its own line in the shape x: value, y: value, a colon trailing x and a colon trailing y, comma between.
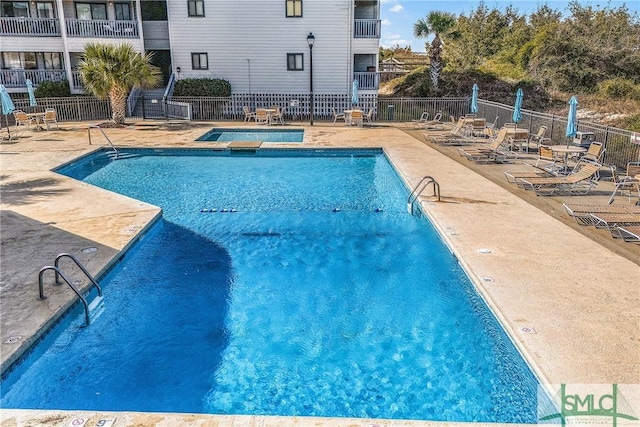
x: 259, y: 46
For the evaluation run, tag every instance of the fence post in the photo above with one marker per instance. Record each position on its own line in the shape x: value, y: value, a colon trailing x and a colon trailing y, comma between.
x: 144, y: 111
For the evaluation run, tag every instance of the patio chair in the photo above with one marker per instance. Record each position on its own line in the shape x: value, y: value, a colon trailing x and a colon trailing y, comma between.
x: 629, y: 182
x: 278, y: 116
x: 454, y: 137
x: 580, y: 181
x: 356, y: 118
x: 582, y: 212
x: 436, y: 122
x: 248, y: 114
x: 337, y: 116
x: 262, y: 117
x: 369, y: 117
x: 613, y: 221
x: 536, y: 139
x: 50, y: 116
x: 22, y: 118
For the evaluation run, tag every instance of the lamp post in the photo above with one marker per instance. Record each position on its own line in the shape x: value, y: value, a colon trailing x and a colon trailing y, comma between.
x: 310, y: 39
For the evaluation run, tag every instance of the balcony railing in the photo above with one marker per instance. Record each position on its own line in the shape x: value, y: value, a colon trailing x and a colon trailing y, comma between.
x: 77, y: 83
x: 102, y: 29
x: 366, y: 29
x: 366, y: 80
x: 17, y: 78
x: 36, y: 27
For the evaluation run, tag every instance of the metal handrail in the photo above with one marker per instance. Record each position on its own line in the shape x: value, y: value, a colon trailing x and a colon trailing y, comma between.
x: 106, y: 137
x: 419, y: 188
x: 84, y: 270
x: 59, y: 273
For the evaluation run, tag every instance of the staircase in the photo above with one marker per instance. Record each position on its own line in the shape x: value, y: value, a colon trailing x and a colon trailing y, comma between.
x: 153, y: 107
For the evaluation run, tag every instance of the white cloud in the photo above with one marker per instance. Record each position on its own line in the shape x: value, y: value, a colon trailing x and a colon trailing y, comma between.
x: 385, y: 22
x: 397, y: 8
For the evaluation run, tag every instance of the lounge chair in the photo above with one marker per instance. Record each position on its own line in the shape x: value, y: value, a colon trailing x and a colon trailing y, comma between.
x: 545, y: 166
x: 248, y: 114
x: 613, y: 221
x: 580, y: 181
x: 582, y: 212
x: 418, y: 123
x: 50, y: 116
x: 435, y: 123
x: 629, y: 233
x: 337, y: 116
x: 495, y: 152
x: 456, y: 136
x: 628, y: 182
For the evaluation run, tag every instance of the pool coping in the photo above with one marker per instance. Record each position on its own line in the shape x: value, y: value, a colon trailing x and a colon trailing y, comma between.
x: 409, y: 157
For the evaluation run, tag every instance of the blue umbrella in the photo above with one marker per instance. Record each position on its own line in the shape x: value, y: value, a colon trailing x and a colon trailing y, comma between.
x: 7, y: 106
x: 517, y: 108
x: 572, y: 125
x: 474, y: 99
x: 354, y: 94
x: 32, y: 96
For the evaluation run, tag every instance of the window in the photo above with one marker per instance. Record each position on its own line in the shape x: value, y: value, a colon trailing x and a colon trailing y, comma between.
x: 45, y: 10
x: 14, y: 9
x: 153, y: 10
x: 123, y: 11
x: 199, y: 61
x: 295, y: 62
x: 196, y: 7
x: 51, y: 60
x: 19, y: 60
x: 294, y: 8
x: 89, y: 11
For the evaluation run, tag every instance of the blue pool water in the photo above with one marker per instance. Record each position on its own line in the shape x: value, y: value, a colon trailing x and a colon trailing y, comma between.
x: 287, y: 282
x: 244, y: 134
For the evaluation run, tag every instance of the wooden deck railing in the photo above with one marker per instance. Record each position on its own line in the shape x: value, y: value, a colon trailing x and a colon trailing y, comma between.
x: 366, y: 29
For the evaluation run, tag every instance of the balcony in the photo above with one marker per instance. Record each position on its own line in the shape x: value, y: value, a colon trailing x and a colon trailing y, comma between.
x: 366, y: 29
x: 366, y: 80
x: 102, y: 29
x: 29, y: 27
x: 17, y: 78
x: 77, y: 84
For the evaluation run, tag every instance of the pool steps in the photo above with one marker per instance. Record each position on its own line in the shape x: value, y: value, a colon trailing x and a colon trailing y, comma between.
x: 59, y: 274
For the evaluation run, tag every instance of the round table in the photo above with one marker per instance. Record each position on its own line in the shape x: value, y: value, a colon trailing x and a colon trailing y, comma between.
x: 571, y: 149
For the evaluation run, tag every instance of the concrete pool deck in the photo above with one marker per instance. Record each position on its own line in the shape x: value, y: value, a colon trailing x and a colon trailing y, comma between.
x: 569, y: 300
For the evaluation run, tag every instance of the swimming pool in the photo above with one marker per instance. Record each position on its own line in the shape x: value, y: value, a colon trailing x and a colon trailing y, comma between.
x: 244, y: 134
x: 288, y: 282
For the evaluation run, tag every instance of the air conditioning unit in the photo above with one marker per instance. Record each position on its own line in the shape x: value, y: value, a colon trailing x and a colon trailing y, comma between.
x: 583, y: 139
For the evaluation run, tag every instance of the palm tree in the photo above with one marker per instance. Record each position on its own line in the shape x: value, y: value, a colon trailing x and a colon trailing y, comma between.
x: 113, y: 70
x: 438, y: 24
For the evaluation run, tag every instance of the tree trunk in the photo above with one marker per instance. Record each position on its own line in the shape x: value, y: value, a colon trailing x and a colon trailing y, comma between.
x: 118, y: 97
x: 435, y: 68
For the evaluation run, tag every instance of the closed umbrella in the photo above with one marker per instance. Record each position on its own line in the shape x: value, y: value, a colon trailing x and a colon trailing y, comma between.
x: 32, y: 96
x: 474, y: 99
x: 517, y: 108
x: 572, y: 125
x: 354, y: 93
x: 7, y: 106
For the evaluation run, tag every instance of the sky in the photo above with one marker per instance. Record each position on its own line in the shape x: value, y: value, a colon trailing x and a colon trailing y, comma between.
x: 398, y: 16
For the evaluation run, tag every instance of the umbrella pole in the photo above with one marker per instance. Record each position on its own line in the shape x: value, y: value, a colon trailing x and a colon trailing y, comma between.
x: 6, y: 118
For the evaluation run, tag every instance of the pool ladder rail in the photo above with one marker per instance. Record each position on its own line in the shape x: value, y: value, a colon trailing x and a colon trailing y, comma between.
x: 59, y: 274
x: 116, y: 154
x: 418, y: 189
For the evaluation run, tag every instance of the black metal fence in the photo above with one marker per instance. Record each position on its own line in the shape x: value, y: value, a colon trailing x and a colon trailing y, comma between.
x: 619, y: 149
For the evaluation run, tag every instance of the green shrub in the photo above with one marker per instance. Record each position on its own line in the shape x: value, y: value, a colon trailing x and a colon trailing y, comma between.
x: 618, y: 88
x: 202, y: 87
x: 632, y: 123
x: 49, y: 89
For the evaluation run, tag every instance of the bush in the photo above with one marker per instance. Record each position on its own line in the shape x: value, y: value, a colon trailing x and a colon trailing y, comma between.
x: 202, y: 87
x: 49, y: 89
x: 619, y: 89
